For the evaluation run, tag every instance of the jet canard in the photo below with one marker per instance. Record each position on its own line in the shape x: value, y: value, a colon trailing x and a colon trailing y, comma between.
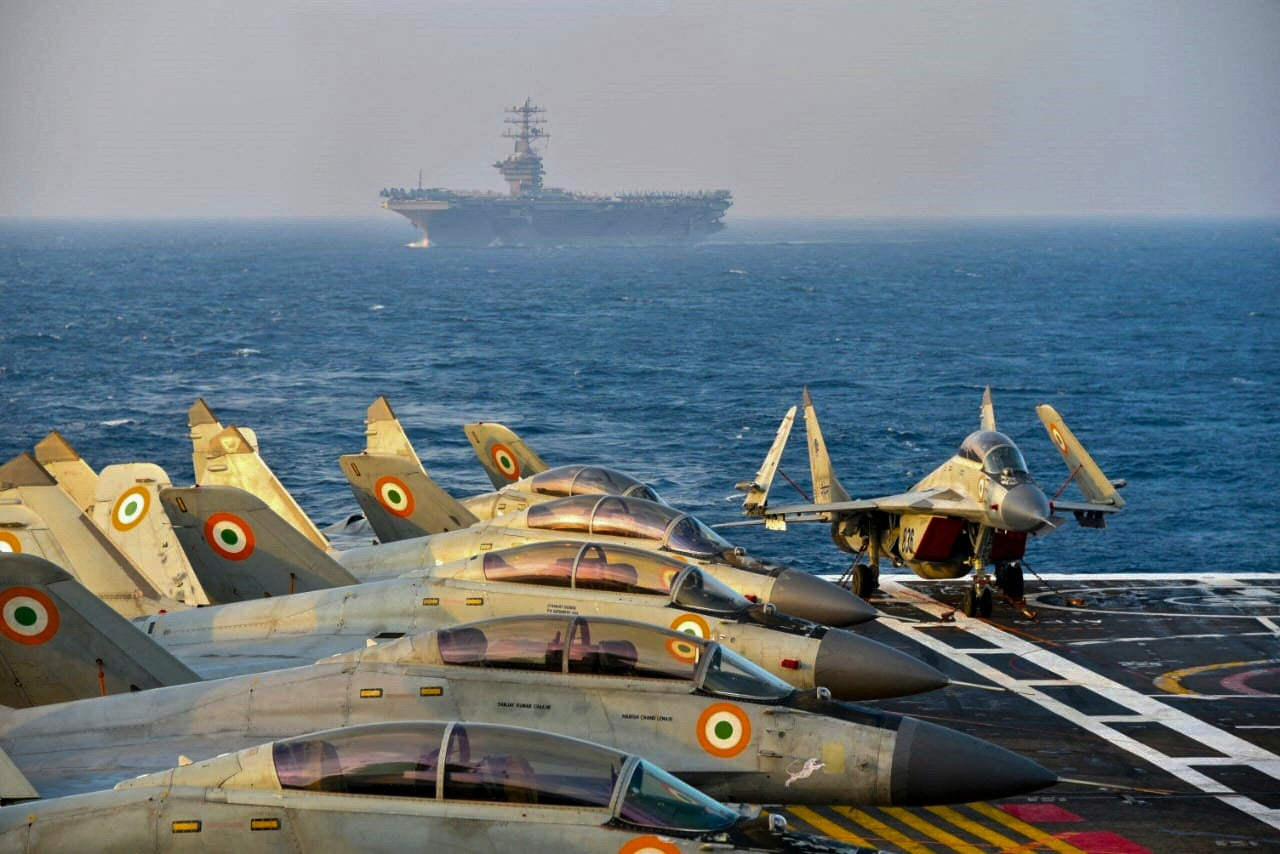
x: 973, y: 511
x: 555, y: 576
x: 387, y: 786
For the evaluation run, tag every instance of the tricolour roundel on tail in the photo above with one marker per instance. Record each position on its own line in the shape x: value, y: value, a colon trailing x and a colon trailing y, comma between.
x: 229, y: 536
x: 27, y: 615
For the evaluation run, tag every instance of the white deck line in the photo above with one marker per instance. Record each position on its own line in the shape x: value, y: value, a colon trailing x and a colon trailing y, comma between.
x: 1236, y: 750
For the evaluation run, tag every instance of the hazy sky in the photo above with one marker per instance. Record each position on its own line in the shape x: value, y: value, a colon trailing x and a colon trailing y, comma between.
x: 900, y: 107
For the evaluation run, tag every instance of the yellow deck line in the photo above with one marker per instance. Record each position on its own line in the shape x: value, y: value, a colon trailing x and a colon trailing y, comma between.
x: 830, y: 828
x: 1002, y: 843
x: 1028, y: 830
x: 884, y: 831
x: 955, y: 843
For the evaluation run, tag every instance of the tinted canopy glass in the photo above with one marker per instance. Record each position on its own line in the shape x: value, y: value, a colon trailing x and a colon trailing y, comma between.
x: 587, y: 480
x: 994, y: 450
x: 654, y: 798
x: 590, y: 566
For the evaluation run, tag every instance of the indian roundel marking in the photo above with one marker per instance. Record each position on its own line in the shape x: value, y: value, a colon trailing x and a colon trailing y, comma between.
x: 724, y: 730
x: 130, y: 508
x: 648, y: 845
x: 689, y: 624
x: 10, y: 543
x: 1056, y: 435
x: 505, y: 461
x: 27, y: 616
x: 668, y: 576
x: 394, y: 496
x: 229, y: 536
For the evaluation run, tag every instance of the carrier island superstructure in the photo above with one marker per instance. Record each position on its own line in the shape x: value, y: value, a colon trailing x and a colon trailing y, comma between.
x: 533, y: 215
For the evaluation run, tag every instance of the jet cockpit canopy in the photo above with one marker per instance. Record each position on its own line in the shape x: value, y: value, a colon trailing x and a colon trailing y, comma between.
x: 619, y: 516
x: 493, y: 764
x: 590, y: 480
x: 607, y: 647
x: 618, y: 569
x: 995, y: 451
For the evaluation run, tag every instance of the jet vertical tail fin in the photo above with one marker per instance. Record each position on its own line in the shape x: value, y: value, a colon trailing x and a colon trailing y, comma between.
x: 757, y: 490
x: 988, y: 412
x: 384, y: 435
x: 60, y: 530
x: 1093, y: 483
x: 127, y: 507
x: 73, y: 474
x: 231, y: 459
x: 826, y: 488
x: 400, y: 499
x: 504, y: 455
x: 241, y: 549
x: 59, y: 642
x: 14, y: 786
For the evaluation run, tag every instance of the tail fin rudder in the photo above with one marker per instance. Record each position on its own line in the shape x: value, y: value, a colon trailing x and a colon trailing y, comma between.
x: 90, y: 555
x: 826, y: 488
x: 400, y: 499
x: 72, y: 473
x: 203, y: 426
x: 383, y: 433
x: 1093, y: 483
x: 232, y: 459
x: 988, y: 411
x: 241, y: 549
x: 757, y: 490
x: 127, y: 507
x: 59, y: 642
x: 504, y: 455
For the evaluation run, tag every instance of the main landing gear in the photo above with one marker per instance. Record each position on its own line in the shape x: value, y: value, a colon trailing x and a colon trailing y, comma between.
x: 864, y: 580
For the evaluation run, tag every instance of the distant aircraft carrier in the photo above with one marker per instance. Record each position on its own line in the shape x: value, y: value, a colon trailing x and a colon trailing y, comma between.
x: 533, y: 215
x: 1164, y: 686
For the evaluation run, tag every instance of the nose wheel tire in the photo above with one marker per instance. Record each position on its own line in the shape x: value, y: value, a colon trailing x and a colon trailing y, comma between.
x: 865, y: 580
x: 1009, y: 578
x: 977, y: 603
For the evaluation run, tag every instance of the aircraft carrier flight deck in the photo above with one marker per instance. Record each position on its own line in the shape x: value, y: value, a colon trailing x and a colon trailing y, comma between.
x: 1166, y: 687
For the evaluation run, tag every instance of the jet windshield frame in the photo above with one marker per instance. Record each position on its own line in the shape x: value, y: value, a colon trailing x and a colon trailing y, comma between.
x: 995, y: 452
x: 565, y: 481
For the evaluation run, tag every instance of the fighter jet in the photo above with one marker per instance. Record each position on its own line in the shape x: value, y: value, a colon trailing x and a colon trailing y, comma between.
x: 401, y: 500
x: 555, y: 576
x: 975, y: 510
x: 711, y: 716
x: 384, y: 788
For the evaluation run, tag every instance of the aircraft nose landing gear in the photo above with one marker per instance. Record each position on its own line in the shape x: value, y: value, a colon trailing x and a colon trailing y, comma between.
x: 977, y: 597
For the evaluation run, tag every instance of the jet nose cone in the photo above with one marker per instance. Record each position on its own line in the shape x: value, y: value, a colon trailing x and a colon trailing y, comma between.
x: 1024, y: 508
x: 935, y: 765
x: 858, y: 668
x: 812, y: 598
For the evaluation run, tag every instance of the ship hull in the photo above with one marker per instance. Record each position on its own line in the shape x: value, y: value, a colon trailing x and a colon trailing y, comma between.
x: 521, y: 223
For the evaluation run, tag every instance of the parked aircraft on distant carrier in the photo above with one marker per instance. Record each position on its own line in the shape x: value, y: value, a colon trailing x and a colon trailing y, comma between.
x: 974, y: 510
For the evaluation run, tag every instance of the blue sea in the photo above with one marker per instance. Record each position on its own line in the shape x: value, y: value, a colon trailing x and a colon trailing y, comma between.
x: 1158, y: 341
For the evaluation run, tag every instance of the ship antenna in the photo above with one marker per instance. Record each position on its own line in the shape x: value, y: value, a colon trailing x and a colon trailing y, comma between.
x: 522, y: 169
x: 419, y: 179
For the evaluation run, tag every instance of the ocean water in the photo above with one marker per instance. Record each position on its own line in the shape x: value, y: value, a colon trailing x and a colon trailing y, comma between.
x: 1159, y: 342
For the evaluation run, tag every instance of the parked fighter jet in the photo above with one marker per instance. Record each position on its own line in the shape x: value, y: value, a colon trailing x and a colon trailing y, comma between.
x: 555, y: 576
x: 714, y: 718
x: 974, y: 510
x: 607, y: 519
x: 388, y: 786
x: 400, y: 499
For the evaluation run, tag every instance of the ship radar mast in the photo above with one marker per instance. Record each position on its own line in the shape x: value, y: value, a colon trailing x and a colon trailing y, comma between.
x: 523, y: 168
